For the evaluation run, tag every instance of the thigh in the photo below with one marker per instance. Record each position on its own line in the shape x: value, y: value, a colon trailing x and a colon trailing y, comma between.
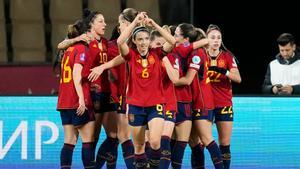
x: 204, y: 130
x: 194, y: 137
x: 168, y: 128
x: 70, y: 134
x: 156, y: 126
x: 123, y: 128
x: 109, y: 122
x: 183, y: 130
x: 86, y: 131
x: 224, y: 132
x: 138, y: 135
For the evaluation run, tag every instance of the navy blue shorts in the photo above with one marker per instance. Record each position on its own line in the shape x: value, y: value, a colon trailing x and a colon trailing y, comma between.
x: 199, y: 114
x: 69, y: 116
x: 223, y: 113
x: 103, y: 102
x: 140, y: 116
x: 121, y: 106
x: 184, y: 112
x: 170, y: 116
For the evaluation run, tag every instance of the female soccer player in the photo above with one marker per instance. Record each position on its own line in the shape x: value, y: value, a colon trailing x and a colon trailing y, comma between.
x: 222, y: 70
x: 186, y: 36
x: 74, y: 101
x: 145, y: 93
x: 100, y: 89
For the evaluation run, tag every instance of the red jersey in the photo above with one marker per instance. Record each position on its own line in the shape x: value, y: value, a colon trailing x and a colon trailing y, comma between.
x: 221, y: 85
x: 98, y: 54
x: 182, y: 51
x: 118, y: 82
x: 201, y: 87
x: 67, y: 95
x: 145, y: 86
x: 168, y: 86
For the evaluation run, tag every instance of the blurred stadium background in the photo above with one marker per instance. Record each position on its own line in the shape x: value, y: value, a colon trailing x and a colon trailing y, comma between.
x: 31, y: 29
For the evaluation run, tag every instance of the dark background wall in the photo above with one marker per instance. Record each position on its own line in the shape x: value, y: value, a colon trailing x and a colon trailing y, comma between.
x: 250, y: 30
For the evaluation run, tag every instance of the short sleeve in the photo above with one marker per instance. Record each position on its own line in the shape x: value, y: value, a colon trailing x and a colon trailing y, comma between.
x: 231, y: 61
x: 80, y: 55
x: 184, y: 49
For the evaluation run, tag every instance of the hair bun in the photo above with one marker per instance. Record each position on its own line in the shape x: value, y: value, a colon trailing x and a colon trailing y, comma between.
x: 86, y: 13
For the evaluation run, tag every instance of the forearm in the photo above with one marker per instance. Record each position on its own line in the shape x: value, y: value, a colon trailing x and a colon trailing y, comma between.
x: 267, y: 89
x: 169, y: 38
x: 181, y: 82
x: 77, y: 80
x: 200, y: 43
x: 187, y: 79
x: 66, y: 43
x: 234, y: 75
x: 126, y: 33
x: 114, y: 62
x: 173, y: 74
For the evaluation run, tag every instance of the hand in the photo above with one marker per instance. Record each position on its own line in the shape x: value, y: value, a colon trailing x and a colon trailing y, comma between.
x: 275, y: 89
x: 95, y: 73
x: 218, y: 69
x: 81, y: 108
x: 287, y: 89
x: 150, y: 22
x: 84, y: 37
x: 140, y: 17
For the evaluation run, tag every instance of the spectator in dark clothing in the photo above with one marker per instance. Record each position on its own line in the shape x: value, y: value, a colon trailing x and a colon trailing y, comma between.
x: 283, y: 73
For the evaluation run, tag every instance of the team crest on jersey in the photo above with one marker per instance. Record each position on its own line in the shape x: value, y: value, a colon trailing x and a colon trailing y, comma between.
x: 186, y: 44
x: 82, y: 56
x: 151, y: 60
x: 221, y: 63
x: 139, y: 61
x: 196, y: 59
x: 94, y: 46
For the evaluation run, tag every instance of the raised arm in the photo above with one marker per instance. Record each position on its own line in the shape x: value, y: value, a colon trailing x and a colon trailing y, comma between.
x: 200, y: 43
x: 68, y: 42
x: 168, y: 46
x: 125, y: 35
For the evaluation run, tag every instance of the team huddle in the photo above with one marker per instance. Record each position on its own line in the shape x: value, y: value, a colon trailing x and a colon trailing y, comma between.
x: 153, y: 89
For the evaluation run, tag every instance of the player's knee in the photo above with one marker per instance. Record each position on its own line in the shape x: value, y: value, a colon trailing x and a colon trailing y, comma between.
x: 154, y: 143
x: 71, y: 140
x: 206, y: 139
